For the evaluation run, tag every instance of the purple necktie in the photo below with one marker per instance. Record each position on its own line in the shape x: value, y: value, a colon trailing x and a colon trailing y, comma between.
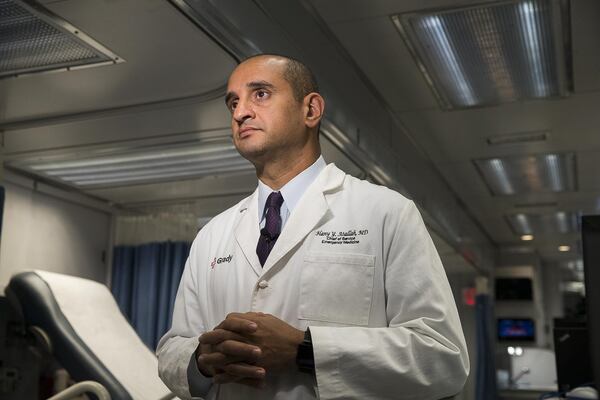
x: 272, y: 229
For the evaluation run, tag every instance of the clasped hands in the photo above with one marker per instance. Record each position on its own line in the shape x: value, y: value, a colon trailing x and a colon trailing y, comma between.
x: 245, y: 346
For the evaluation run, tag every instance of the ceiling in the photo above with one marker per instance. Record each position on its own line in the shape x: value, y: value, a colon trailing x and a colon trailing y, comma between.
x: 386, y: 122
x: 453, y: 139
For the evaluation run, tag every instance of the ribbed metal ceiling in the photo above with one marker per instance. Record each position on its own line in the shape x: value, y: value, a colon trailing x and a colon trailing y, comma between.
x: 492, y: 53
x: 32, y: 39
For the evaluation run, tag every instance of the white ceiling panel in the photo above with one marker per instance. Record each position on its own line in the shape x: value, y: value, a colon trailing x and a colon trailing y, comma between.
x: 572, y: 124
x: 588, y: 166
x: 344, y: 10
x: 398, y: 79
x: 186, y: 121
x: 585, y: 15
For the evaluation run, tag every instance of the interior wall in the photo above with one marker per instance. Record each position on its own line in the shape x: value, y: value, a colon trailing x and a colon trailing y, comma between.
x: 553, y: 304
x: 525, y: 265
x: 458, y: 282
x: 137, y: 230
x: 41, y: 231
x: 525, y: 309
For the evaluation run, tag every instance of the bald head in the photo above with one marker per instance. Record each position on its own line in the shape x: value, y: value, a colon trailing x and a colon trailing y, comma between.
x: 296, y: 73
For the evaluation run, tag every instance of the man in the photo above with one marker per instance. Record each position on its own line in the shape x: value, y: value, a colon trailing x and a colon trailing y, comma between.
x: 318, y: 285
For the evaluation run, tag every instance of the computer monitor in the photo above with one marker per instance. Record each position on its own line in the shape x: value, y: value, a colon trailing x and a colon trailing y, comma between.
x: 514, y: 289
x: 516, y: 329
x: 590, y: 233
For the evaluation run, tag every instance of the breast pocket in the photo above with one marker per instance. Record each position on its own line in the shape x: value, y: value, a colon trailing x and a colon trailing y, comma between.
x: 337, y: 288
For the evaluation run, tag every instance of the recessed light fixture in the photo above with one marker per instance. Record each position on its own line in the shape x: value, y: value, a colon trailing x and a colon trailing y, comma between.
x: 144, y: 164
x: 491, y: 53
x: 554, y: 172
x: 527, y: 237
x: 543, y: 223
x: 564, y: 248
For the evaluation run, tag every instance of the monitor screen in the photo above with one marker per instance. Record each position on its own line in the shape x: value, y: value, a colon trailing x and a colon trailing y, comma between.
x: 518, y: 329
x: 514, y: 289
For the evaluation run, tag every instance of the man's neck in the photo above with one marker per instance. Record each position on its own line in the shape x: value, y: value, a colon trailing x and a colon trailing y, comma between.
x: 277, y: 173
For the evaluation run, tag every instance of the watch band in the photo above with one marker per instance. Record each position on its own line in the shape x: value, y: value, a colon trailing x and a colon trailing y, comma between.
x: 305, y: 359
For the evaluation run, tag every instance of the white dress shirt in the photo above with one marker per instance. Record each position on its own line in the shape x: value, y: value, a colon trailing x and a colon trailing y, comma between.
x: 291, y: 191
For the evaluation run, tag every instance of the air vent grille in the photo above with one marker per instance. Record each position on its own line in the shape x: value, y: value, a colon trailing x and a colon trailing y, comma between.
x: 32, y: 39
x: 515, y: 138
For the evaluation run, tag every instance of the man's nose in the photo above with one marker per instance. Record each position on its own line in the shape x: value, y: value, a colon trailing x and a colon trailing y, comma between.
x: 243, y: 111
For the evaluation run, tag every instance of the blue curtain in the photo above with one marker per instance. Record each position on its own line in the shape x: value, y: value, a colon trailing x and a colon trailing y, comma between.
x: 486, y: 370
x: 145, y: 279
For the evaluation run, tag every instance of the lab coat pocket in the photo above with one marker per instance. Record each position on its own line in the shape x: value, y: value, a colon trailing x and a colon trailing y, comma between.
x: 337, y: 288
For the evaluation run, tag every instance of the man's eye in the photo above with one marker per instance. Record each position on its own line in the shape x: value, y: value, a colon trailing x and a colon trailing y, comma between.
x: 232, y: 105
x: 261, y: 94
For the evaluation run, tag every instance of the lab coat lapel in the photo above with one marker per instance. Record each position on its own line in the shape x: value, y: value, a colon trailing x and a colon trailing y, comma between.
x: 247, y: 232
x: 311, y: 211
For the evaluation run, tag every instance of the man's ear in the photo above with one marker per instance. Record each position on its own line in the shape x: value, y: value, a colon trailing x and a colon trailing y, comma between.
x: 314, y: 106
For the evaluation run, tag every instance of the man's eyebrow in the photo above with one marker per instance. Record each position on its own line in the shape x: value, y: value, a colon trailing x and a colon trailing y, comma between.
x: 260, y: 84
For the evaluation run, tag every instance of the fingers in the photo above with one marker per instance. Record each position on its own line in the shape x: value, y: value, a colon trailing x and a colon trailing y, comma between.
x: 242, y: 373
x: 244, y: 370
x: 236, y: 322
x: 230, y: 351
x: 219, y: 335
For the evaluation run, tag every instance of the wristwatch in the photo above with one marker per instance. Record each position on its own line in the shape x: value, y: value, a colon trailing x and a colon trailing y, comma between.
x: 305, y: 359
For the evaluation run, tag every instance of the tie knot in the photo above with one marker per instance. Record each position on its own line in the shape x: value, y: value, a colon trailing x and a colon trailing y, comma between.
x: 275, y: 200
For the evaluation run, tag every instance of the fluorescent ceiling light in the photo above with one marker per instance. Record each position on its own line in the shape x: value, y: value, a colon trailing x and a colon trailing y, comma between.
x: 33, y: 39
x: 564, y: 248
x: 141, y: 164
x: 574, y: 265
x: 527, y: 237
x: 547, y: 223
x: 573, y: 287
x: 529, y: 174
x: 491, y: 53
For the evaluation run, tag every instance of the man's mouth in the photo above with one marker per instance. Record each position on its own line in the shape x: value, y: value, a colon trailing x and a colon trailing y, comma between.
x: 246, y: 131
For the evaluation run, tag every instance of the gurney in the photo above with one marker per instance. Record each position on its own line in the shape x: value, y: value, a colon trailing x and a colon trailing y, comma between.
x: 80, y: 324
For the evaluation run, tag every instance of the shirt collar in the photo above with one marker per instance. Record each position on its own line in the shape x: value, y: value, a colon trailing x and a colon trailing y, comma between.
x: 294, y: 189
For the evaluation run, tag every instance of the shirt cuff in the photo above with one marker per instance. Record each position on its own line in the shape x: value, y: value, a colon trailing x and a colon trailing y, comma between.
x: 198, y: 383
x: 327, y: 370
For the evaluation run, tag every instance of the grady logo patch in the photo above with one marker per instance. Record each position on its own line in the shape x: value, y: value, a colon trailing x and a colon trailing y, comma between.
x: 220, y: 260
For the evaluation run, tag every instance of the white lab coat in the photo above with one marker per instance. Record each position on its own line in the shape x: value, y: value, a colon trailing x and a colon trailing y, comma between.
x: 356, y: 264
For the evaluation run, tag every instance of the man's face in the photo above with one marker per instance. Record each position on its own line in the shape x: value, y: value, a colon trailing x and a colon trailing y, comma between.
x: 266, y: 120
